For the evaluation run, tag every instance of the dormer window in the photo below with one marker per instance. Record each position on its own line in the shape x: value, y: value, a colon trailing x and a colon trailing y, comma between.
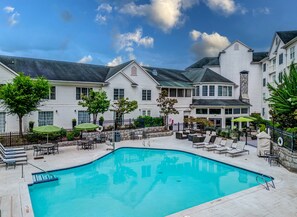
x: 133, y: 71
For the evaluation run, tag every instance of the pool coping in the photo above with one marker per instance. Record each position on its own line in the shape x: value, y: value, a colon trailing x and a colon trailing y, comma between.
x: 209, y: 204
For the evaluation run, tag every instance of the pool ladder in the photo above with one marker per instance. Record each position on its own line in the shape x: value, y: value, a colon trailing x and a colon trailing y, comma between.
x: 267, y: 184
x: 43, y: 176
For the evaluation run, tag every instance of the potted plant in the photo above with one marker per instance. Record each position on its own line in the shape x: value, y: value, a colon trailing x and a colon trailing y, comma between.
x: 101, y: 120
x: 73, y: 122
x: 31, y: 125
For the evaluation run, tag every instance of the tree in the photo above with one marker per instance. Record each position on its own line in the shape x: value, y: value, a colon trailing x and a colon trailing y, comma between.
x: 283, y: 99
x: 166, y: 105
x: 123, y: 106
x: 96, y: 102
x: 23, y: 96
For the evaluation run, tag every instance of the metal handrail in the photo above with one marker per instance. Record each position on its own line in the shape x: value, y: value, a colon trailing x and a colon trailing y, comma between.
x: 267, y: 184
x: 51, y: 175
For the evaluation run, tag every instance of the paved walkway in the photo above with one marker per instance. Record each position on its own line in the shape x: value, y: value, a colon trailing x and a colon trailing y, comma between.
x: 15, y: 200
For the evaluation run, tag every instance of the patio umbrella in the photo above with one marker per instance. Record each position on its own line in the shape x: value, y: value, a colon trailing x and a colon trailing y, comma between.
x: 86, y: 126
x: 48, y: 129
x: 241, y: 120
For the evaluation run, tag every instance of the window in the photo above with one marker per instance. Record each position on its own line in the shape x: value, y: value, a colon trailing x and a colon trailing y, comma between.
x: 236, y: 46
x: 82, y: 91
x: 52, y: 93
x: 273, y: 77
x: 197, y: 91
x: 194, y: 92
x: 2, y: 122
x: 172, y: 92
x: 146, y: 95
x: 180, y: 92
x: 280, y: 59
x: 45, y: 118
x: 280, y: 77
x: 244, y: 111
x: 214, y: 111
x: 119, y: 119
x: 83, y: 117
x: 146, y: 112
x: 133, y: 71
x: 201, y: 111
x: 204, y: 91
x: 220, y: 90
x: 264, y: 82
x: 228, y: 111
x: 118, y: 94
x: 229, y: 91
x: 187, y: 92
x: 264, y: 96
x: 236, y: 111
x: 264, y: 67
x: 292, y: 53
x: 263, y: 111
x: 211, y: 90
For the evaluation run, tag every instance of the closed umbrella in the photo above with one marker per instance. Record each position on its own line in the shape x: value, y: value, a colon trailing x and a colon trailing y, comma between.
x: 48, y: 129
x: 244, y: 119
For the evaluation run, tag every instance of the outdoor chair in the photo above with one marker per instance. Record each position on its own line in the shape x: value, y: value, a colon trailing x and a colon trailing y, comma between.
x: 102, y: 138
x: 224, y: 149
x: 202, y: 144
x: 55, y: 149
x: 180, y: 135
x: 13, y: 155
x: 272, y: 156
x: 239, y: 149
x: 133, y: 136
x: 9, y: 161
x: 36, y: 150
x: 216, y: 144
x: 11, y: 149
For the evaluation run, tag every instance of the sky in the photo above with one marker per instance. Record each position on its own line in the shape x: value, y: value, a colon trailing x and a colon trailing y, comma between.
x: 160, y: 33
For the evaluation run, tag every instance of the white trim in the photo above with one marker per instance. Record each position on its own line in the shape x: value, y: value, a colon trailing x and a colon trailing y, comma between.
x: 237, y: 41
x: 9, y: 69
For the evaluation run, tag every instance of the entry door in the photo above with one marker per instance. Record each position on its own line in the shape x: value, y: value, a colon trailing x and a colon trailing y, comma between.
x: 2, y: 122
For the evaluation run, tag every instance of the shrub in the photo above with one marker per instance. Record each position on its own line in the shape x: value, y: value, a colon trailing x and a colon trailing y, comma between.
x: 147, y: 121
x: 73, y: 122
x: 70, y: 136
x: 262, y: 127
x: 63, y: 132
x: 76, y: 133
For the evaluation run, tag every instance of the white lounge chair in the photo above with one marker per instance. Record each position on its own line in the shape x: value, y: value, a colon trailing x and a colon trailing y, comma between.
x: 227, y: 147
x: 11, y: 149
x: 202, y: 144
x: 216, y: 144
x: 16, y: 160
x: 12, y: 155
x: 11, y: 152
x: 239, y: 149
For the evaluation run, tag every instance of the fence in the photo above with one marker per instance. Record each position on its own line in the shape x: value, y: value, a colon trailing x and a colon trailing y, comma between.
x: 288, y: 140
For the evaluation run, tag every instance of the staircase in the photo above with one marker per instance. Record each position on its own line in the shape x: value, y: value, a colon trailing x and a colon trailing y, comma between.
x: 43, y: 177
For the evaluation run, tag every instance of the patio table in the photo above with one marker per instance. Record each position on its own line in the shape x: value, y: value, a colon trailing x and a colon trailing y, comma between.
x: 47, y: 147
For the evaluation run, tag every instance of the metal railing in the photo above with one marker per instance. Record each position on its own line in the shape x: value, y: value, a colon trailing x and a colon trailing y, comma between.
x: 266, y: 184
x: 52, y: 177
x: 288, y: 140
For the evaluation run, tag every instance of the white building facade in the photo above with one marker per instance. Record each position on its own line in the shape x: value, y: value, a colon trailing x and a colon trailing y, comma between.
x: 221, y: 88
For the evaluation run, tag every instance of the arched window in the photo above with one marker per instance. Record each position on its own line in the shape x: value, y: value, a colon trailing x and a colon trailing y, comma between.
x: 133, y: 71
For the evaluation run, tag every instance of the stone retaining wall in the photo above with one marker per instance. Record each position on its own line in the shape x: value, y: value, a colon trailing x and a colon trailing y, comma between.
x: 288, y: 159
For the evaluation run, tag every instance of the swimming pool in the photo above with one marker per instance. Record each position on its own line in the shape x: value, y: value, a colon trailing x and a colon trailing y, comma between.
x: 138, y: 182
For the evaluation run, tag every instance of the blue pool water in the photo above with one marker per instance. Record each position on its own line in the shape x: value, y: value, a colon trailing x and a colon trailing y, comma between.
x: 138, y: 182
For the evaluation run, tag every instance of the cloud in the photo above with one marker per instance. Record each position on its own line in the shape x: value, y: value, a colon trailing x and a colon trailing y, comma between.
x: 209, y: 44
x: 8, y: 9
x: 165, y: 14
x: 194, y: 35
x: 116, y: 61
x: 13, y: 19
x: 105, y: 7
x: 86, y: 59
x: 101, y: 19
x: 227, y: 7
x: 66, y: 16
x: 265, y: 11
x: 130, y: 39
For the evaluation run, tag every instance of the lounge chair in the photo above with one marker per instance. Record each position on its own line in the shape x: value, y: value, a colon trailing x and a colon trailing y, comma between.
x: 9, y: 161
x: 239, y: 149
x: 216, y: 144
x: 13, y: 155
x: 224, y: 149
x: 11, y: 149
x: 202, y: 144
x: 11, y: 152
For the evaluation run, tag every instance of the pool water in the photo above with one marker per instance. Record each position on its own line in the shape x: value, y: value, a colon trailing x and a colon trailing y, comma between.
x: 138, y: 182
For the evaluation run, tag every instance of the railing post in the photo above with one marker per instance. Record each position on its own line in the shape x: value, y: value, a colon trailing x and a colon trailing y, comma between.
x: 10, y: 139
x: 177, y: 126
x: 22, y: 170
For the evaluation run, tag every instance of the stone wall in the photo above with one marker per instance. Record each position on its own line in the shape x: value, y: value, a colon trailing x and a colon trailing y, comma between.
x: 288, y: 159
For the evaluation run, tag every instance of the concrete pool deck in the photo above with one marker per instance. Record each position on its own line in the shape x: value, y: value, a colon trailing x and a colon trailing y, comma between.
x: 15, y: 200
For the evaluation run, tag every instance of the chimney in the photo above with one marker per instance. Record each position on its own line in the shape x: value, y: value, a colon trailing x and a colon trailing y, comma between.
x: 244, y: 86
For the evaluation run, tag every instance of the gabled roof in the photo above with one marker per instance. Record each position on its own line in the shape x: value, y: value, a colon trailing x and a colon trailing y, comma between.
x: 287, y: 36
x: 218, y: 102
x: 206, y: 61
x: 169, y: 77
x: 258, y: 56
x: 205, y: 75
x: 113, y: 70
x: 56, y: 70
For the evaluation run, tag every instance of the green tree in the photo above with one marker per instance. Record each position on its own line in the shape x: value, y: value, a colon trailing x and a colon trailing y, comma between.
x: 23, y: 96
x: 166, y: 105
x: 96, y: 102
x: 283, y: 99
x: 123, y: 106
